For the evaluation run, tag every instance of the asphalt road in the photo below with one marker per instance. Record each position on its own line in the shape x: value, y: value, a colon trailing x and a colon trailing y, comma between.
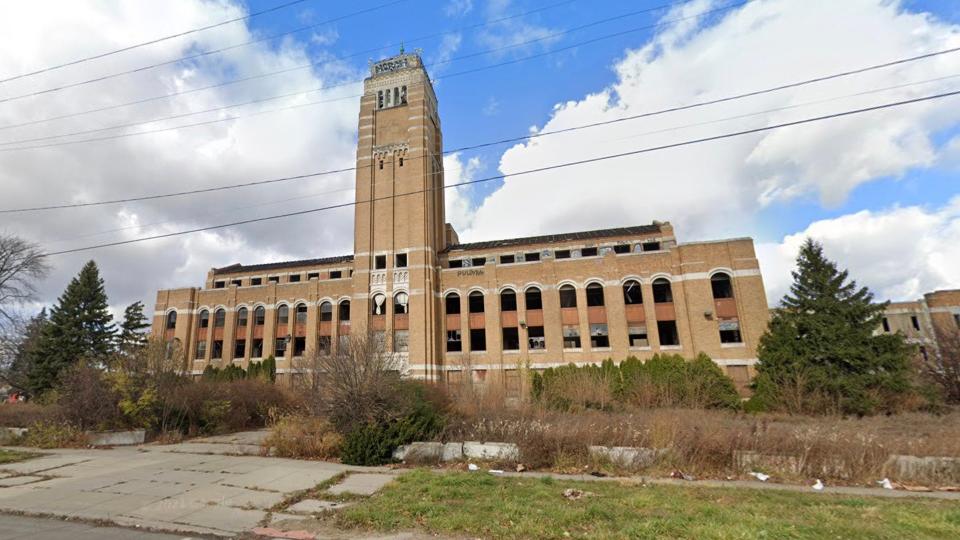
x: 19, y: 527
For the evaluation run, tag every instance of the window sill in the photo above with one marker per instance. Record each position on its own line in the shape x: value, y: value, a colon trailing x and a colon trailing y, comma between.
x: 511, y: 351
x: 537, y: 351
x: 578, y: 349
x: 647, y: 348
x: 671, y: 347
x: 600, y: 349
x: 732, y: 345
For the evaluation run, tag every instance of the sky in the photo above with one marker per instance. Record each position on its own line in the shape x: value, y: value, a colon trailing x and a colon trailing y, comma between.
x: 880, y: 189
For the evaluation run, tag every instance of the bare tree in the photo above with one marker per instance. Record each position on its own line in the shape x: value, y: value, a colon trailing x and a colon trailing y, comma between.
x: 21, y: 264
x: 944, y: 368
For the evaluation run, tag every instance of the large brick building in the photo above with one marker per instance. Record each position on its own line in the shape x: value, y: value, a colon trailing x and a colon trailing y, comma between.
x: 481, y: 310
x: 932, y: 323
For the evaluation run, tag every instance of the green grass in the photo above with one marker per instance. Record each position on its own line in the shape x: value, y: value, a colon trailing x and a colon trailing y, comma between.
x: 483, y: 505
x: 11, y: 456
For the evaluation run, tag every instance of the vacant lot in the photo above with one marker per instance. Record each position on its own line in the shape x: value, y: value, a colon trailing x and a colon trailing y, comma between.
x: 479, y: 504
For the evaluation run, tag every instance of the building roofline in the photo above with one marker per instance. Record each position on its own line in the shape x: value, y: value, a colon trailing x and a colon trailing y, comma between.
x: 655, y: 227
x: 720, y: 241
x: 241, y: 268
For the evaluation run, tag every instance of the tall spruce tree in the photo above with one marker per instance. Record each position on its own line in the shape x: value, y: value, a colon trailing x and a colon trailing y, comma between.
x: 133, y: 334
x: 16, y: 373
x: 821, y: 352
x: 80, y: 327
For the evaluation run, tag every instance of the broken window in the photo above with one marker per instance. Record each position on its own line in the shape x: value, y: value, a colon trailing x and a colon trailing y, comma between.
x: 568, y: 296
x: 531, y: 257
x: 301, y: 314
x: 594, y: 295
x: 507, y: 259
x: 599, y: 338
x: 378, y: 304
x: 294, y: 278
x: 478, y: 339
x: 242, y: 317
x: 204, y: 320
x: 239, y: 348
x: 400, y: 303
x: 381, y: 164
x: 562, y: 254
x: 256, y: 281
x: 171, y: 320
x: 886, y: 324
x: 403, y: 94
x: 721, y: 285
x: 476, y: 302
x: 637, y: 336
x: 571, y: 337
x: 662, y: 293
x: 621, y: 248
x: 454, y: 341
x: 283, y: 314
x: 455, y: 263
x: 259, y: 315
x: 279, y: 347
x: 336, y: 274
x: 343, y: 311
x: 511, y: 339
x: 452, y: 304
x: 730, y: 331
x: 217, y: 352
x: 915, y: 322
x: 535, y: 339
x: 256, y: 350
x: 380, y: 99
x: 632, y: 294
x: 401, y: 341
x: 324, y: 344
x: 326, y: 312
x: 651, y: 246
x: 380, y: 262
x: 533, y: 299
x: 313, y: 275
x: 201, y: 352
x: 508, y: 300
x: 274, y: 279
x: 299, y: 346
x: 400, y: 260
x: 588, y: 252
x: 478, y: 261
x: 237, y: 282
x: 219, y: 284
x: 668, y: 333
x: 219, y: 318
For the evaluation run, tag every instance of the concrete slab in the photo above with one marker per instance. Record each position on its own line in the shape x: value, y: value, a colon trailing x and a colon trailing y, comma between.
x: 20, y: 480
x: 223, y: 518
x: 362, y: 484
x: 315, y: 506
x: 212, y: 448
x: 41, y: 464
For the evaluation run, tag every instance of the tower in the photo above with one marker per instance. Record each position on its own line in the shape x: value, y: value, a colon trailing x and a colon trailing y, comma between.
x: 399, y: 215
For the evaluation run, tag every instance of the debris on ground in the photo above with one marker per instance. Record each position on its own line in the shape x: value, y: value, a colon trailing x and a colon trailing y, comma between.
x: 885, y: 483
x: 495, y: 471
x: 818, y: 486
x: 910, y: 487
x: 472, y: 467
x: 520, y: 467
x: 598, y: 474
x: 678, y: 474
x: 759, y: 476
x: 573, y: 494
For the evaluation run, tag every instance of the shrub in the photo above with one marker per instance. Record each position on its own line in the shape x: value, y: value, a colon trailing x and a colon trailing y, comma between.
x: 46, y: 434
x: 88, y: 400
x: 304, y: 437
x: 208, y: 406
x: 22, y: 414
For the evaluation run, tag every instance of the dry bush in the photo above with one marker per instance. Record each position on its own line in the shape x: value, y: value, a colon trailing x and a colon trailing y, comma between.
x: 45, y: 434
x: 88, y: 400
x: 303, y: 437
x: 22, y: 414
x: 204, y: 407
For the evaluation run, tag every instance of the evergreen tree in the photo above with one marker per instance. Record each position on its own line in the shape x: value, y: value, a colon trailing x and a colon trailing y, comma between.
x: 133, y: 334
x: 820, y: 352
x: 80, y: 327
x: 16, y: 373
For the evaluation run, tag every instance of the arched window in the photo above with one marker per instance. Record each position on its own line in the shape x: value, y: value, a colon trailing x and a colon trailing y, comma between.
x: 594, y: 295
x: 326, y: 312
x: 219, y: 318
x: 568, y: 296
x: 722, y: 287
x: 301, y: 313
x: 533, y: 299
x: 452, y: 303
x: 631, y: 293
x: 259, y: 315
x: 508, y: 300
x: 283, y: 314
x: 378, y: 304
x: 344, y: 310
x: 204, y: 320
x: 662, y: 293
x: 400, y: 301
x: 476, y: 302
x: 171, y: 320
x: 242, y: 316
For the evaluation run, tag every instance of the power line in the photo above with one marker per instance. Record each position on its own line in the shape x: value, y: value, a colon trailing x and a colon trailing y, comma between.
x: 502, y: 141
x: 346, y: 83
x: 527, y: 172
x: 152, y: 41
x: 287, y: 33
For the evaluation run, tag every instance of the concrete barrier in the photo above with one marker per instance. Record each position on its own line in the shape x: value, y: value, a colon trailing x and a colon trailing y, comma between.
x: 491, y: 451
x: 627, y: 456
x: 747, y: 460
x: 116, y: 438
x: 934, y: 468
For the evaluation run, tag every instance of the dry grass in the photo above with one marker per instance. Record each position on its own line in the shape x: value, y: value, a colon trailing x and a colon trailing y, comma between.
x: 304, y: 437
x: 25, y: 414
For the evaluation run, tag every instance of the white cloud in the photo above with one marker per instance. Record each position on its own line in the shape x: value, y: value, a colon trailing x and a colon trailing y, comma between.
x: 715, y: 189
x: 492, y: 107
x: 216, y: 154
x: 457, y: 199
x: 458, y: 8
x: 900, y: 253
x: 513, y: 32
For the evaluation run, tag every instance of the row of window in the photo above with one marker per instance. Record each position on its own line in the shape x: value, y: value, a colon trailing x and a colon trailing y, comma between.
x: 291, y: 278
x: 535, y: 256
x: 536, y: 339
x: 296, y: 345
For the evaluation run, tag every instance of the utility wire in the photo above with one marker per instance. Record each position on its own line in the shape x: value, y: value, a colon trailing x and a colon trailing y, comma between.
x: 152, y: 41
x: 503, y: 141
x: 287, y: 33
x: 346, y: 83
x: 527, y: 172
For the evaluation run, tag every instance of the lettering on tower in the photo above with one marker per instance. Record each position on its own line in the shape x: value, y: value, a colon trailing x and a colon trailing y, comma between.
x: 390, y: 65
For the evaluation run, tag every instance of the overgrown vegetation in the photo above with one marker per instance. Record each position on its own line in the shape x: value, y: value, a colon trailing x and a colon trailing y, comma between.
x: 663, y: 381
x: 481, y: 505
x: 304, y: 437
